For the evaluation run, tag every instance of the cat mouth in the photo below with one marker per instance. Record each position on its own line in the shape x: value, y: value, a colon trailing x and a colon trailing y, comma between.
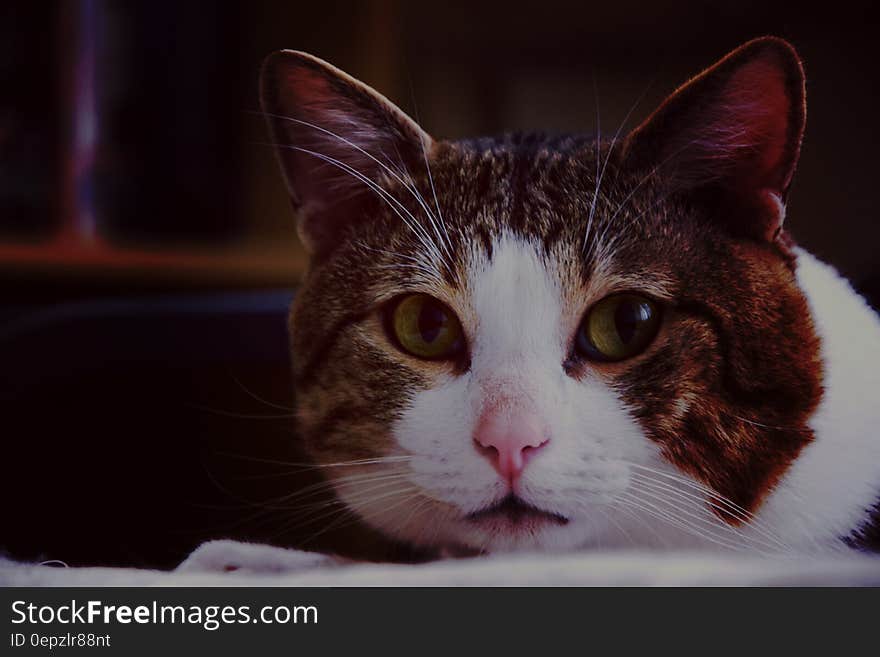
x: 513, y: 510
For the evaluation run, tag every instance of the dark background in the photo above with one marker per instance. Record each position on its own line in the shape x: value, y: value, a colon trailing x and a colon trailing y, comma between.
x: 147, y: 253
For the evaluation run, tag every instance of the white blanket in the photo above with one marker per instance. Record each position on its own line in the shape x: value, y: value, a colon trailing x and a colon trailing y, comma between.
x: 228, y: 563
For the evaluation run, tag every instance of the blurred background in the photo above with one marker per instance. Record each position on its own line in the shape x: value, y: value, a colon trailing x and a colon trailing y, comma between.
x: 147, y: 250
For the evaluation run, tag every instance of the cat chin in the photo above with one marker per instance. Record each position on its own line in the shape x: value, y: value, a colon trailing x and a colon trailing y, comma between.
x: 469, y: 540
x: 460, y: 537
x: 450, y: 532
x: 596, y: 532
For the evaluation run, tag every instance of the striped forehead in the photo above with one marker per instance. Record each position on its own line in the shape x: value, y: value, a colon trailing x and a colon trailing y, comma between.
x: 517, y: 297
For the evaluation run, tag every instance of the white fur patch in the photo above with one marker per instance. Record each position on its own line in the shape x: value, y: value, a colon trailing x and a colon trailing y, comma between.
x: 829, y: 489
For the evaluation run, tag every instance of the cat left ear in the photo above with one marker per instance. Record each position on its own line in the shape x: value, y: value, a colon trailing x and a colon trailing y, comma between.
x: 336, y: 138
x: 731, y: 136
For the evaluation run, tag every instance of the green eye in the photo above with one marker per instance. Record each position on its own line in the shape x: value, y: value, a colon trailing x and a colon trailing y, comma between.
x: 426, y: 328
x: 618, y: 327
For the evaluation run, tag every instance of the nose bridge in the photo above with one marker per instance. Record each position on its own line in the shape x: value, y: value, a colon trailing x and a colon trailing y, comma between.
x: 506, y: 387
x: 518, y: 300
x: 515, y: 379
x: 506, y: 345
x: 516, y: 355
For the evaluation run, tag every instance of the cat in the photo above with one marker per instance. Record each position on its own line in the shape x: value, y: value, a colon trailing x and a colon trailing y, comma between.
x: 543, y: 343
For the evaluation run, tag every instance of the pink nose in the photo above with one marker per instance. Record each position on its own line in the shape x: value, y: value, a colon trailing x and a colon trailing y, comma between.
x: 509, y: 438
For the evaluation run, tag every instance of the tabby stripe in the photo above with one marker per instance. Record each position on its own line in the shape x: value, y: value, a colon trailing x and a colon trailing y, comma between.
x: 307, y: 375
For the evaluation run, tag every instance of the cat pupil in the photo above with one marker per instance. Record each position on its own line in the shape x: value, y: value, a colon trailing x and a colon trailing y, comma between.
x: 431, y: 322
x: 627, y: 318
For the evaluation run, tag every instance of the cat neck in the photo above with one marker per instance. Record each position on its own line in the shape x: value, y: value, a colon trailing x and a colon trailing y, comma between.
x: 830, y: 493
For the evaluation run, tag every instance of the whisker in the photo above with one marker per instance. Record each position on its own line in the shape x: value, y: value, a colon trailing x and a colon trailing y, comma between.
x: 349, y: 509
x: 663, y: 490
x: 696, y: 485
x: 305, y: 511
x: 391, y: 254
x: 627, y: 511
x: 448, y: 240
x: 409, y: 186
x: 412, y: 223
x: 735, y: 510
x: 610, y: 152
x: 296, y: 499
x: 241, y: 416
x: 399, y: 458
x: 598, y: 162
x: 411, y: 262
x: 645, y: 179
x: 609, y: 517
x: 280, y: 407
x: 765, y: 426
x: 661, y: 514
x: 688, y: 517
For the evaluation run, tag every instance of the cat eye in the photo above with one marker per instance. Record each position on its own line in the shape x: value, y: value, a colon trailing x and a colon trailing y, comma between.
x: 618, y: 327
x: 424, y: 327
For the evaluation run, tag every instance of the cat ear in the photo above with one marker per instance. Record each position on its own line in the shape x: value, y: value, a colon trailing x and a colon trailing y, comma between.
x: 731, y: 136
x: 335, y: 138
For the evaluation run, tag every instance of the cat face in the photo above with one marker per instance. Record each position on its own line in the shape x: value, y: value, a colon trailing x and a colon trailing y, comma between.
x: 533, y: 342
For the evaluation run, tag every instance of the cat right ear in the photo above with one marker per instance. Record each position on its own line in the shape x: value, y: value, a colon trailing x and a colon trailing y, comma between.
x: 731, y: 136
x: 335, y: 138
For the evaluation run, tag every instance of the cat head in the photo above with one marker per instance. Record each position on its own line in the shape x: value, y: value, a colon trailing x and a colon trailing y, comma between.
x: 530, y: 341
